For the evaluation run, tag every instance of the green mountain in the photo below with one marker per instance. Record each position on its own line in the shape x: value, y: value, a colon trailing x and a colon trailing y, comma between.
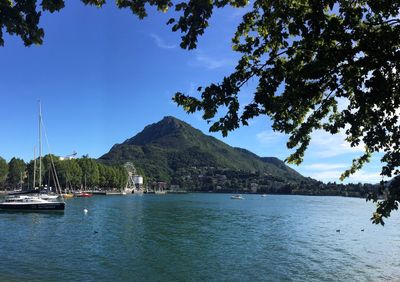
x: 173, y: 151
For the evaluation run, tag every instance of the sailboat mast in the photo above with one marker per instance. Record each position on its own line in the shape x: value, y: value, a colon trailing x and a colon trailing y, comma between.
x: 40, y: 144
x: 34, y: 168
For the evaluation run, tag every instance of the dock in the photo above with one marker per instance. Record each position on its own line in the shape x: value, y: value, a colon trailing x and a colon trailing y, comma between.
x: 100, y: 193
x: 115, y: 193
x: 177, y: 192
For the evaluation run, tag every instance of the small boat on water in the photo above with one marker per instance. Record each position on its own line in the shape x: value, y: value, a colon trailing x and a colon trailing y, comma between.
x: 137, y: 191
x: 31, y: 203
x: 83, y: 195
x: 68, y: 195
x: 264, y: 195
x: 237, y: 197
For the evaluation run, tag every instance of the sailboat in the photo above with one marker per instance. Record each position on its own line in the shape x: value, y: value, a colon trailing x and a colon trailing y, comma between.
x: 38, y: 201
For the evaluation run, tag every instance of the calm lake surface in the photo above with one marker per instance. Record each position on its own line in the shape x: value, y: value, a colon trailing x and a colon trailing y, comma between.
x: 201, y: 237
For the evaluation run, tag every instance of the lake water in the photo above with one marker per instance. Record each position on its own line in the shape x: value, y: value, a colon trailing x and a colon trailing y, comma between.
x: 201, y: 237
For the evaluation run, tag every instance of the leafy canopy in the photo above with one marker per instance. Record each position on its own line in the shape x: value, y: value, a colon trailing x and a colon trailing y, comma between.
x: 74, y: 173
x: 16, y: 171
x: 319, y: 52
x: 3, y: 171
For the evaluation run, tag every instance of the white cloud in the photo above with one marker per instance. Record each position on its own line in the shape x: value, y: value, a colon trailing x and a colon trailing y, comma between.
x: 326, y: 145
x: 269, y: 136
x: 324, y: 166
x: 160, y: 42
x: 192, y: 89
x: 238, y: 13
x: 332, y: 171
x: 322, y: 145
x: 203, y: 60
x: 365, y: 177
x: 334, y: 175
x: 325, y: 176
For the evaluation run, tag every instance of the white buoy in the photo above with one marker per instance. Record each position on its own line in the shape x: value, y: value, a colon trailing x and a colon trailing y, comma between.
x: 85, y: 210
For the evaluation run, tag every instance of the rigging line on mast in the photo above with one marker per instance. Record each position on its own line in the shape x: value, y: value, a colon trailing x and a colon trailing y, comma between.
x: 40, y: 144
x: 58, y: 187
x: 34, y: 167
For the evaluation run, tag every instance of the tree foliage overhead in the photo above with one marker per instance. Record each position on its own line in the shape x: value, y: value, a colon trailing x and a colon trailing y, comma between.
x: 21, y: 17
x: 319, y: 52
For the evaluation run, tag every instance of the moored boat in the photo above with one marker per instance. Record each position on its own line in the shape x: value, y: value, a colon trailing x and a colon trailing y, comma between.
x: 38, y: 201
x: 68, y: 195
x: 137, y: 192
x: 83, y: 195
x: 31, y: 203
x: 237, y: 197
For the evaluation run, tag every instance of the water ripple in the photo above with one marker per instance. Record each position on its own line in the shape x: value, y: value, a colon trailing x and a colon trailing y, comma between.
x: 201, y: 237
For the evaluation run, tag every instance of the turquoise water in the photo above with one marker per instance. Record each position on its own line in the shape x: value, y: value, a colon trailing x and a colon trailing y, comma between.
x: 201, y: 237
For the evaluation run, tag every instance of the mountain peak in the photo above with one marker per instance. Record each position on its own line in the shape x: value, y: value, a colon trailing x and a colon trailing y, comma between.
x: 172, y: 122
x: 166, y: 149
x: 170, y: 118
x: 167, y: 128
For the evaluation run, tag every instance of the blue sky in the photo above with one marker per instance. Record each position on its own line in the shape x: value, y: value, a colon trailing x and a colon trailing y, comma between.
x: 102, y: 75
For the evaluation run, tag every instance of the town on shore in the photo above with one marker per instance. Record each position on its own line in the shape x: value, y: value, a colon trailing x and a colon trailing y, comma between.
x: 171, y: 155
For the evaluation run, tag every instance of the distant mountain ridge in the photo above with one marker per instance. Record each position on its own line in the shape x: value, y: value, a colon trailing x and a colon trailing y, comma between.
x: 165, y: 150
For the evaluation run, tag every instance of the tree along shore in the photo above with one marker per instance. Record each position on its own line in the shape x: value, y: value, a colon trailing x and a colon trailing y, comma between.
x: 76, y: 174
x: 72, y: 174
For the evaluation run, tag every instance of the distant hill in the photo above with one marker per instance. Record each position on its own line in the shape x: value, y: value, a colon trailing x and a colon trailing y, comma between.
x: 173, y: 151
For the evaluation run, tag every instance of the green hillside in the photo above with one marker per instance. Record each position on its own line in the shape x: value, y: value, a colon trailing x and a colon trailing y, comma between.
x: 171, y: 150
